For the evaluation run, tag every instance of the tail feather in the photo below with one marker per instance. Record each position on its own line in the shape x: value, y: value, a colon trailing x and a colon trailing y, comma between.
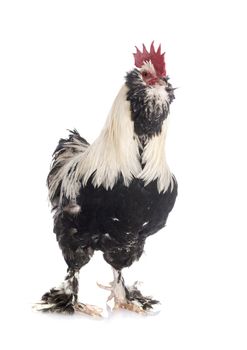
x: 64, y: 152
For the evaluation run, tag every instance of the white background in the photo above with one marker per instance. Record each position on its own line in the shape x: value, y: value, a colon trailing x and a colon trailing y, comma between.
x: 61, y: 65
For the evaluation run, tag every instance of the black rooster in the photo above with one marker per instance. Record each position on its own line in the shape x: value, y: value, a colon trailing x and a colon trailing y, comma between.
x: 113, y: 194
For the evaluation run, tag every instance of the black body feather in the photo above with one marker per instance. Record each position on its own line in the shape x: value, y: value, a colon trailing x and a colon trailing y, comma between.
x: 116, y: 221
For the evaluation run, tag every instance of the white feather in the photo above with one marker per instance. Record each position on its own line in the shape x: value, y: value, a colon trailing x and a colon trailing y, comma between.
x: 115, y: 152
x: 154, y: 158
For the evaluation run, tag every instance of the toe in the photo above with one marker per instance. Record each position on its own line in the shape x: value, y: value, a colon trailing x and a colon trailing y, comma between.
x: 87, y: 309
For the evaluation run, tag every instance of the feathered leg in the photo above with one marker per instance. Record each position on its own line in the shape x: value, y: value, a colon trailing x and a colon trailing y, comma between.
x: 64, y: 299
x: 129, y: 298
x: 76, y: 253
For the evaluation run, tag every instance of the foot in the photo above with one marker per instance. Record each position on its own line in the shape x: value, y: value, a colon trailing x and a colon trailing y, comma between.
x: 56, y: 300
x: 137, y: 302
x: 87, y: 309
x: 129, y: 298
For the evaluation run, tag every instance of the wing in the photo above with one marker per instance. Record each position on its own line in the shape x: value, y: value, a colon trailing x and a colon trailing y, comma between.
x: 66, y: 151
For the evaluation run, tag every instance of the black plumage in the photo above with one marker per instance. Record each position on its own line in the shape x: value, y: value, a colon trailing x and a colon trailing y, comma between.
x: 116, y: 221
x: 118, y: 212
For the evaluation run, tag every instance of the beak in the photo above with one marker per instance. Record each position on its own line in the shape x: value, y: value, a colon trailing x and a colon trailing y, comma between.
x: 153, y: 81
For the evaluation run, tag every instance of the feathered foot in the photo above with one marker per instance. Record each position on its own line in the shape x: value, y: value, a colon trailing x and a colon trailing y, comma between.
x: 136, y: 301
x: 128, y: 298
x: 57, y: 300
x: 64, y: 299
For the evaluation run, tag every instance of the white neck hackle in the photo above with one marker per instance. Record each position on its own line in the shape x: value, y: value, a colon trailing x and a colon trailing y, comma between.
x: 115, y: 152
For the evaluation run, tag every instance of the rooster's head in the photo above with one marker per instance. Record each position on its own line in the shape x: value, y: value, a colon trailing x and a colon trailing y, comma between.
x: 150, y: 92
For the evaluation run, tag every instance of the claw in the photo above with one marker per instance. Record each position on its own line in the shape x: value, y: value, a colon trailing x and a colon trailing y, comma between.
x: 108, y: 288
x: 104, y: 287
x: 87, y: 309
x: 131, y: 307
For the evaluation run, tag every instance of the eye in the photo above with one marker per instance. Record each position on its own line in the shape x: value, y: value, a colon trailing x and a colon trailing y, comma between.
x: 145, y: 74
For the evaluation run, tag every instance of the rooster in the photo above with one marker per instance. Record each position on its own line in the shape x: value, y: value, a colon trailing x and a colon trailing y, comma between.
x: 113, y: 194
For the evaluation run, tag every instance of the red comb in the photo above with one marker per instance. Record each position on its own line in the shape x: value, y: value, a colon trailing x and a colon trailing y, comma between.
x: 157, y: 58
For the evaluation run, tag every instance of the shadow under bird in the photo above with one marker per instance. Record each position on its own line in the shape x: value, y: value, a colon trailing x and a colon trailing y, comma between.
x: 113, y: 194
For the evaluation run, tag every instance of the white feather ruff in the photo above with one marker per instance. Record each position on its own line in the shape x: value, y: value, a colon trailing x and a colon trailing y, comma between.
x: 114, y: 152
x: 154, y: 158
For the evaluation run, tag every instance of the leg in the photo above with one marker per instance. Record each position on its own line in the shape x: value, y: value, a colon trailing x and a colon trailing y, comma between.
x: 129, y: 298
x: 124, y: 297
x: 76, y: 253
x: 64, y: 299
